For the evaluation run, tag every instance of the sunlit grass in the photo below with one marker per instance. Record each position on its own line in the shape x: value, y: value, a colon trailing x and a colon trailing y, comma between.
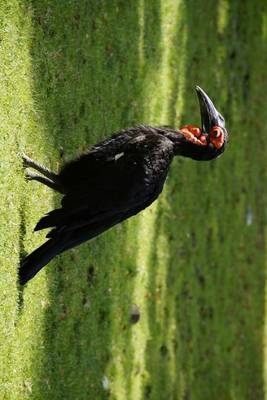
x: 71, y: 74
x: 265, y: 336
x: 264, y: 35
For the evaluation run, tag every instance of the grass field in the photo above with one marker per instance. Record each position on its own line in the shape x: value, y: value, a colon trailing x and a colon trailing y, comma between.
x: 72, y: 72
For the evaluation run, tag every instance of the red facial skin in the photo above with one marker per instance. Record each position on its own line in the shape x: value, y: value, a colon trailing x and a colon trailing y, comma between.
x: 194, y: 134
x: 217, y: 137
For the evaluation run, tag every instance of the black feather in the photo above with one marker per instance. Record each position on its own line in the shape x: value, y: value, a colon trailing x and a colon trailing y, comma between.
x: 114, y: 180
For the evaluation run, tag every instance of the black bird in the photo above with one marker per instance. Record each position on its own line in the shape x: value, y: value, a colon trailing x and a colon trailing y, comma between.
x: 117, y: 178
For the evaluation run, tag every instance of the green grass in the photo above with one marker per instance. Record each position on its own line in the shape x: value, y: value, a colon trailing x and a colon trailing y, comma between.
x: 73, y: 72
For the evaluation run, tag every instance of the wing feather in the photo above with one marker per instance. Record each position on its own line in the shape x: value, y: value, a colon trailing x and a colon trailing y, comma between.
x: 112, y: 188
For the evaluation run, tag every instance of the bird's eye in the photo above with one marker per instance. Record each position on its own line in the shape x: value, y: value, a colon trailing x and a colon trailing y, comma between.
x: 217, y: 137
x: 216, y: 133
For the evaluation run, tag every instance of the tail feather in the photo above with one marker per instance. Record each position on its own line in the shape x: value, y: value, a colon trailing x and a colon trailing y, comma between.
x: 51, y: 219
x: 35, y: 261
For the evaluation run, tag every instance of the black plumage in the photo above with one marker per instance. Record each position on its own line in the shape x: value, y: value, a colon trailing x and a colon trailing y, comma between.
x: 116, y: 179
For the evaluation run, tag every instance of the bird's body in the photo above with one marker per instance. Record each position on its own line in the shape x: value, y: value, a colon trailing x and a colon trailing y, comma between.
x: 114, y: 180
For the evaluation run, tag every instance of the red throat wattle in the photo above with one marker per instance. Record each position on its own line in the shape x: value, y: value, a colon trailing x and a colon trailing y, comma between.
x: 193, y: 134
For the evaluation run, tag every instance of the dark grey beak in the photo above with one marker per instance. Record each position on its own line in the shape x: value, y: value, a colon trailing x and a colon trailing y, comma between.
x: 209, y: 115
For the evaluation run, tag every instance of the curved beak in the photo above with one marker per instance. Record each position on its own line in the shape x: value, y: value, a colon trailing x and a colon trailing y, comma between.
x: 209, y: 115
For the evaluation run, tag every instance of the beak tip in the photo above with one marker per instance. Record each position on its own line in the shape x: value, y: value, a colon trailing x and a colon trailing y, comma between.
x: 199, y: 90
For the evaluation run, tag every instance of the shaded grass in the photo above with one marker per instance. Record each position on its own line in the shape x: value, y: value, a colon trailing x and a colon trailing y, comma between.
x: 71, y: 74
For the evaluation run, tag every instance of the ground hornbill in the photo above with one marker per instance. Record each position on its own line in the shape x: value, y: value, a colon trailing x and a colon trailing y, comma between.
x: 117, y: 178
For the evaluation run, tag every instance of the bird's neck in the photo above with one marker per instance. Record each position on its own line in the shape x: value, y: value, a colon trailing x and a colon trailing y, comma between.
x: 178, y: 139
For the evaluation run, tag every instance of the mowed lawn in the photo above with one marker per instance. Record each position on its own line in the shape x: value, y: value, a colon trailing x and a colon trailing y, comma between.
x: 71, y: 73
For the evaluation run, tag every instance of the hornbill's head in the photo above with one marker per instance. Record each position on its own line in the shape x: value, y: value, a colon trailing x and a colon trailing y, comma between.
x: 209, y: 141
